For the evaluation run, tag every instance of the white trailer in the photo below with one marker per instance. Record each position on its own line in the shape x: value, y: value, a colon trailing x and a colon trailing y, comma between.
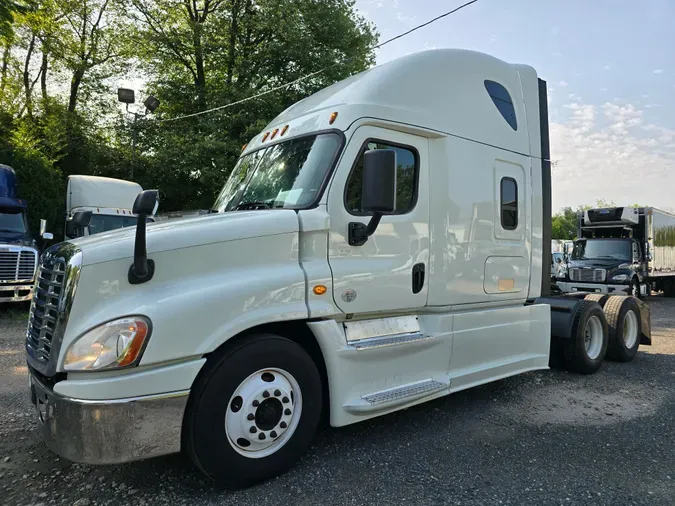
x: 381, y: 243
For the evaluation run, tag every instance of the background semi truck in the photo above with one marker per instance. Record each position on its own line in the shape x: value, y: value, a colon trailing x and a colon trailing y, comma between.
x: 18, y: 248
x: 381, y: 243
x: 623, y: 250
x: 108, y: 200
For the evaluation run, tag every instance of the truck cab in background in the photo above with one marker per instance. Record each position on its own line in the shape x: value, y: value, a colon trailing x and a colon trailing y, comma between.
x: 622, y: 250
x: 18, y: 248
x: 107, y: 203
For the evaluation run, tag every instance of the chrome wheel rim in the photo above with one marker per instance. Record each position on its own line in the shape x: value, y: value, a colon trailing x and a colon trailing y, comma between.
x: 593, y: 337
x: 630, y: 329
x: 263, y: 413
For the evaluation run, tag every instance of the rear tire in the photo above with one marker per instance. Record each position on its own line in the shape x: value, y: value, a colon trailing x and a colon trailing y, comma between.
x: 231, y: 408
x: 586, y: 349
x: 625, y: 327
x: 597, y: 297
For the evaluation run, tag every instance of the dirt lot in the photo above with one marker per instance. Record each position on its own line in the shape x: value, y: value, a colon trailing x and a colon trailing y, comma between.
x: 543, y: 438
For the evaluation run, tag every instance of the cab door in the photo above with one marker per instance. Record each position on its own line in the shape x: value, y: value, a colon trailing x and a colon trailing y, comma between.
x: 391, y: 270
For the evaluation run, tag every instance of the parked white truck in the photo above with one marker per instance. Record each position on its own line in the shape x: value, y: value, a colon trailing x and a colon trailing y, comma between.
x: 382, y: 243
x: 107, y: 201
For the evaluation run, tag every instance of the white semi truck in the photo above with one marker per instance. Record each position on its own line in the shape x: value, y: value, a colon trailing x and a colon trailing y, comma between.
x: 106, y: 201
x: 381, y: 243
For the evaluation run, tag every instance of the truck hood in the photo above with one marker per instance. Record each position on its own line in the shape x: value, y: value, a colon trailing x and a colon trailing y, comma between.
x: 187, y: 233
x: 16, y: 239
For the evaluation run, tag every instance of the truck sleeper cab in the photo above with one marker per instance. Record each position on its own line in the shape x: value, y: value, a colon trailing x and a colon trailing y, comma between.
x: 108, y: 200
x: 380, y: 244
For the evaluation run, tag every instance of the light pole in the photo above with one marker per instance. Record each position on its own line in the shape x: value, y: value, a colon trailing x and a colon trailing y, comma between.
x: 127, y: 96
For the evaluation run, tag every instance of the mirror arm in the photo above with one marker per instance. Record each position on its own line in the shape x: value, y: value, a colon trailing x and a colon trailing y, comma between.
x: 359, y: 233
x: 142, y: 270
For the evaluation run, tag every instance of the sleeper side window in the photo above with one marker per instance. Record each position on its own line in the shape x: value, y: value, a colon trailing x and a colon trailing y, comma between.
x: 407, y: 174
x: 509, y: 203
x: 503, y: 102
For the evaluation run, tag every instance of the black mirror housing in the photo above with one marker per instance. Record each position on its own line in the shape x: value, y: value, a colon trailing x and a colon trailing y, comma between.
x: 378, y: 193
x: 379, y: 181
x: 81, y: 219
x: 146, y: 203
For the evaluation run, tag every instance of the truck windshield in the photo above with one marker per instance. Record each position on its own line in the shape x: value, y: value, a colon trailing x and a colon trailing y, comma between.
x: 286, y: 175
x: 12, y: 220
x: 619, y: 249
x: 106, y: 222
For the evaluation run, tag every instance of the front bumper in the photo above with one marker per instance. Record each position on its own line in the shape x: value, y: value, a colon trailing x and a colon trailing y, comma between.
x: 573, y: 286
x: 16, y: 293
x: 111, y: 431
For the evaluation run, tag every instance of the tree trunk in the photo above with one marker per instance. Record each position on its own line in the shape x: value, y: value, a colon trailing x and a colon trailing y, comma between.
x: 232, y: 50
x: 74, y: 88
x: 5, y: 65
x: 43, y: 75
x: 28, y: 89
x: 200, y: 80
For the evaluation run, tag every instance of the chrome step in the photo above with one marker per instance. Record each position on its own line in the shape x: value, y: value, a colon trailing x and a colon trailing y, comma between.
x: 379, y: 342
x: 396, y: 396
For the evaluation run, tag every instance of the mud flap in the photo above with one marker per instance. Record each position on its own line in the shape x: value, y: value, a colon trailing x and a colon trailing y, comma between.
x: 645, y: 316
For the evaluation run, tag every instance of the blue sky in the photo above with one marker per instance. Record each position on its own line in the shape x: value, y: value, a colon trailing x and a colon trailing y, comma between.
x: 610, y: 67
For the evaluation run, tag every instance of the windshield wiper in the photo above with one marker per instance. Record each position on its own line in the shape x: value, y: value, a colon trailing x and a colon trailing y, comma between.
x: 256, y: 204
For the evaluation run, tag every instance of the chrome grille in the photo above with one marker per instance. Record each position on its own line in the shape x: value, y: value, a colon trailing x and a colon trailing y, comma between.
x: 588, y: 275
x: 55, y: 287
x: 17, y: 264
x: 44, y: 314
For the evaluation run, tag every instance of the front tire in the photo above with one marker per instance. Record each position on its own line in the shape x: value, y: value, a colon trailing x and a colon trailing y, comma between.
x: 254, y: 410
x: 625, y: 327
x: 586, y: 349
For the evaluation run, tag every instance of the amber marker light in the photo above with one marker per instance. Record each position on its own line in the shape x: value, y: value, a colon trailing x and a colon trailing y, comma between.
x: 319, y: 289
x: 333, y: 117
x: 283, y: 131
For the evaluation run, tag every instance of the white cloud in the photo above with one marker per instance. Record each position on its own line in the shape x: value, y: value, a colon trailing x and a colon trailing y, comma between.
x: 563, y: 83
x: 609, y: 152
x: 607, y: 67
x: 403, y: 18
x: 658, y: 71
x: 603, y: 89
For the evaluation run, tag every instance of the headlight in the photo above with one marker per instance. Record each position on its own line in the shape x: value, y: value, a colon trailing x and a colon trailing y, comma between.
x: 620, y: 277
x: 115, y: 344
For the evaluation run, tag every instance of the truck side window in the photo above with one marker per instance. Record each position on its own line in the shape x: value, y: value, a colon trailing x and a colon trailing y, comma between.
x: 509, y: 203
x: 503, y: 102
x: 407, y: 175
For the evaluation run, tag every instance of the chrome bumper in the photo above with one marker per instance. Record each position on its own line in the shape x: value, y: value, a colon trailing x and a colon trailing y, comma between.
x: 16, y: 293
x: 109, y: 432
x: 574, y: 286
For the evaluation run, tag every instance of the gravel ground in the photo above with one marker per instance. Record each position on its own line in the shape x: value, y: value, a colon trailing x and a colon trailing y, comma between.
x: 548, y: 437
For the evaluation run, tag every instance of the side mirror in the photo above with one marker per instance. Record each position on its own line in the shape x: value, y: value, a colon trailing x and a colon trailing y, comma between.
x: 143, y: 269
x: 146, y: 203
x: 378, y: 193
x: 43, y: 227
x: 81, y: 219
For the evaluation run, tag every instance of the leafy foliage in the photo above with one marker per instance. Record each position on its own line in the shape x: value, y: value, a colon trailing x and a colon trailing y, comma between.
x: 63, y: 59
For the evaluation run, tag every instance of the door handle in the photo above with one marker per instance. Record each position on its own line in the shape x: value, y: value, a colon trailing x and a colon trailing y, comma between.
x: 417, y: 278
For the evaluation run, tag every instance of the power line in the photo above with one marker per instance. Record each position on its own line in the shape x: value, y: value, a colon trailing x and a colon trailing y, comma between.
x: 300, y: 79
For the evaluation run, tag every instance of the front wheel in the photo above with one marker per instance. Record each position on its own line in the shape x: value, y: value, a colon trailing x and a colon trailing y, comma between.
x: 254, y: 411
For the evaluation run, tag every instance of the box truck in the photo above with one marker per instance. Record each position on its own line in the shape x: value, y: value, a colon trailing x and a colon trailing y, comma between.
x: 381, y: 243
x: 623, y: 250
